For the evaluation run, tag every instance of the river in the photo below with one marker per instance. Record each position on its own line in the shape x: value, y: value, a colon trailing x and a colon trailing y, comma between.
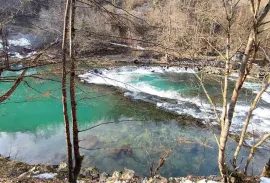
x: 153, y: 110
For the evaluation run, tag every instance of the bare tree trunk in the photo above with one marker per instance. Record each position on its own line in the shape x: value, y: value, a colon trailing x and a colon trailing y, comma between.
x: 3, y: 33
x: 225, y: 131
x: 64, y: 95
x: 249, y: 115
x: 243, y: 72
x: 77, y: 156
x: 227, y: 69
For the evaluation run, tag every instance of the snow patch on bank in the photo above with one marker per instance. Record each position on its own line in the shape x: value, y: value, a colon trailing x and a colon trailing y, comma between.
x: 128, y: 46
x: 206, y: 181
x: 45, y: 176
x: 265, y: 180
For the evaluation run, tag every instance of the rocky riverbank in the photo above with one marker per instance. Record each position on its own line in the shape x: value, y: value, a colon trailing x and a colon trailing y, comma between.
x: 14, y: 171
x: 208, y: 66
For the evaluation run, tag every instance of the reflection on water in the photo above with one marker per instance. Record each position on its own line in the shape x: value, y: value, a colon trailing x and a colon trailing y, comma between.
x: 33, y: 132
x: 34, y: 148
x: 133, y: 144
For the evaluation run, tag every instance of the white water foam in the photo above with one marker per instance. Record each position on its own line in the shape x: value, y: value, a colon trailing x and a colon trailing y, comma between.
x: 20, y: 42
x: 195, y: 106
x: 261, y: 118
x: 255, y: 87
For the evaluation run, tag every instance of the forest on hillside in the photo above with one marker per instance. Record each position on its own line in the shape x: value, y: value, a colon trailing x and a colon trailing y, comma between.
x: 180, y: 28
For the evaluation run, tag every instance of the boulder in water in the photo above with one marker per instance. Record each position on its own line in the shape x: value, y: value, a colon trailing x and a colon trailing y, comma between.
x: 136, y: 61
x: 89, y: 141
x: 124, y: 150
x: 96, y: 71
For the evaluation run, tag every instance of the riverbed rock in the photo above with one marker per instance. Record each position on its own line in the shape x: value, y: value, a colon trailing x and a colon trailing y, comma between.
x: 62, y: 167
x: 91, y: 172
x: 172, y: 180
x: 127, y: 174
x: 103, y: 177
x: 117, y: 175
x: 212, y: 70
x: 89, y: 141
x: 25, y: 175
x: 124, y: 150
x: 157, y: 179
x: 33, y: 171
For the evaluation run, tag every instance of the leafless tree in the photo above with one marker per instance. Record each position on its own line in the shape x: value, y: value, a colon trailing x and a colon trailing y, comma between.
x: 251, y: 50
x: 64, y: 94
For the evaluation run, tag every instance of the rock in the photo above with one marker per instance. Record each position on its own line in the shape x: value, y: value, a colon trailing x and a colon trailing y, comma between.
x: 180, y: 179
x: 136, y: 61
x: 110, y: 180
x: 96, y: 71
x: 91, y: 172
x: 212, y: 70
x: 233, y: 180
x: 47, y: 168
x: 189, y: 181
x: 202, y: 181
x: 159, y: 179
x: 103, y: 177
x: 124, y: 150
x: 80, y: 181
x: 116, y: 175
x: 89, y: 141
x: 127, y: 174
x: 197, y: 69
x: 62, y: 167
x: 25, y: 175
x: 150, y: 180
x: 172, y: 180
x: 127, y: 150
x: 144, y: 180
x: 33, y: 169
x: 214, y: 178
